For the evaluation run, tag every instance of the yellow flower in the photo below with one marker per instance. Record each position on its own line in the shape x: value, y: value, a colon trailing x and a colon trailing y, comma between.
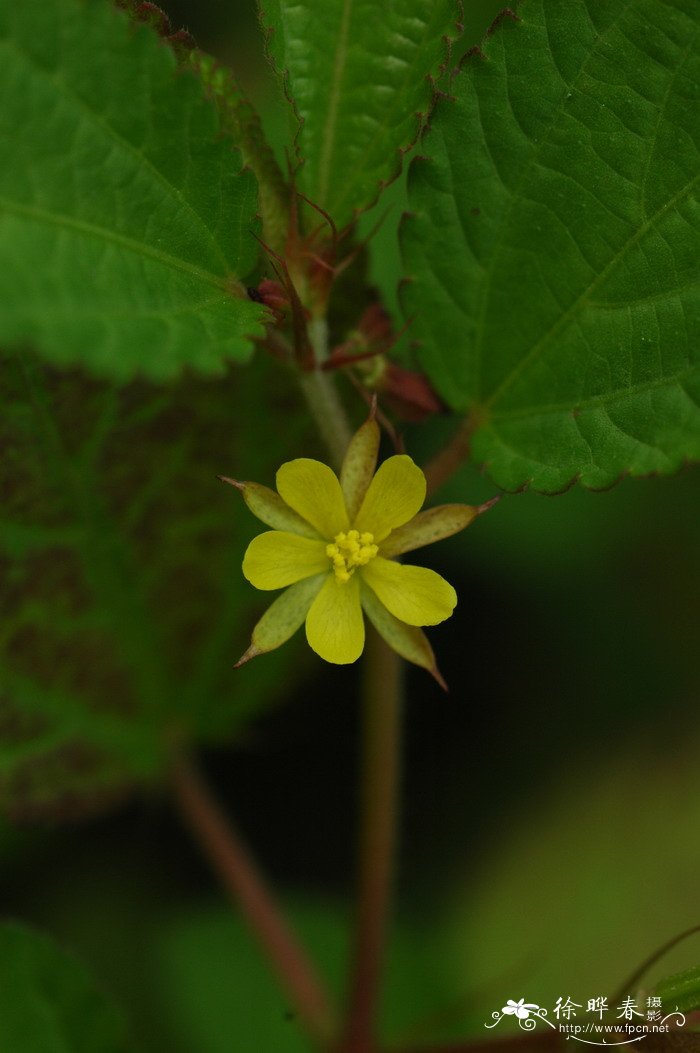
x: 333, y: 548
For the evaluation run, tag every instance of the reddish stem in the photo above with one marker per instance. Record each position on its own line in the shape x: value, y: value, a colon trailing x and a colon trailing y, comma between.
x: 230, y: 858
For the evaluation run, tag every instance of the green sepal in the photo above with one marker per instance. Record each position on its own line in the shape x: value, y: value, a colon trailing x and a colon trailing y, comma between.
x: 433, y: 524
x: 407, y: 640
x: 283, y: 617
x: 359, y: 466
x: 269, y: 508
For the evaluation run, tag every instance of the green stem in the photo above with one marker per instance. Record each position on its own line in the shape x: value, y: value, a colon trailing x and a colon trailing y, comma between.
x: 381, y: 748
x: 328, y: 412
x: 230, y: 859
x: 322, y: 397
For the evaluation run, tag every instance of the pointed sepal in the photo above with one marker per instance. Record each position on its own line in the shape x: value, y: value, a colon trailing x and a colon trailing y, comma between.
x: 359, y: 464
x: 407, y: 640
x: 269, y: 507
x: 283, y: 617
x: 429, y: 526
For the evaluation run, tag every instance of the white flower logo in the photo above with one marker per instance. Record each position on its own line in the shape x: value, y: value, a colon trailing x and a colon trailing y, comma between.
x: 521, y: 1008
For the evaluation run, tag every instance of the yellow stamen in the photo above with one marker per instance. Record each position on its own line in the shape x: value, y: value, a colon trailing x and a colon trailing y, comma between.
x: 350, y: 550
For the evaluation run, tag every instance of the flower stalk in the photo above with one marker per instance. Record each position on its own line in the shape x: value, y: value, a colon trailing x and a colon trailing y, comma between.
x: 321, y: 394
x: 379, y: 815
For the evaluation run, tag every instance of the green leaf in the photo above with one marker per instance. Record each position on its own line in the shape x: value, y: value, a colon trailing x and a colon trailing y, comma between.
x: 554, y: 248
x: 360, y: 76
x: 241, y: 122
x: 123, y: 608
x: 125, y: 221
x: 49, y: 1003
x: 680, y: 991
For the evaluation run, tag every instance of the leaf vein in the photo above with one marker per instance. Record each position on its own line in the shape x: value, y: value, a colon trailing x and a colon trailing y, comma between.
x: 571, y: 313
x: 93, y: 230
x: 110, y: 131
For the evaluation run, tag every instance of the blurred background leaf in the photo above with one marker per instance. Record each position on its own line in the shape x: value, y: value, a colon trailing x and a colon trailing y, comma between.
x: 126, y: 607
x: 48, y: 1002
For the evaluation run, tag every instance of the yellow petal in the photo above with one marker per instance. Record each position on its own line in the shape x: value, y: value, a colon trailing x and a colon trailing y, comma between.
x: 432, y: 525
x: 407, y: 640
x: 283, y: 617
x: 276, y: 559
x: 334, y: 626
x: 414, y: 595
x: 358, y: 466
x: 395, y: 495
x: 312, y: 489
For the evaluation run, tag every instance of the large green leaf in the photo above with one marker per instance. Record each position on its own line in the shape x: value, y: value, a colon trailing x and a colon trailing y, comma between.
x: 123, y: 607
x: 555, y: 245
x: 125, y: 221
x: 360, y: 75
x: 49, y: 1003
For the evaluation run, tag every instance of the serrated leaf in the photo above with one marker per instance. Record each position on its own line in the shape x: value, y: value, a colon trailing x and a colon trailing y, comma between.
x: 241, y: 122
x: 125, y: 222
x: 48, y: 1001
x: 123, y: 607
x: 555, y: 244
x: 360, y: 77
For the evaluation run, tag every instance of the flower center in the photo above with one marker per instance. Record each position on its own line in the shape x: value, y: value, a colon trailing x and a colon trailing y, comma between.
x: 349, y: 551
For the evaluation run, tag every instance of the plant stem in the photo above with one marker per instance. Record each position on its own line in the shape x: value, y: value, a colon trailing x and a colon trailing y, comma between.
x: 328, y: 412
x: 232, y: 862
x: 377, y: 842
x: 322, y: 397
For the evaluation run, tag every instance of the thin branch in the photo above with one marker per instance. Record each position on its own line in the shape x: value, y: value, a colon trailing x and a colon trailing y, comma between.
x: 231, y: 861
